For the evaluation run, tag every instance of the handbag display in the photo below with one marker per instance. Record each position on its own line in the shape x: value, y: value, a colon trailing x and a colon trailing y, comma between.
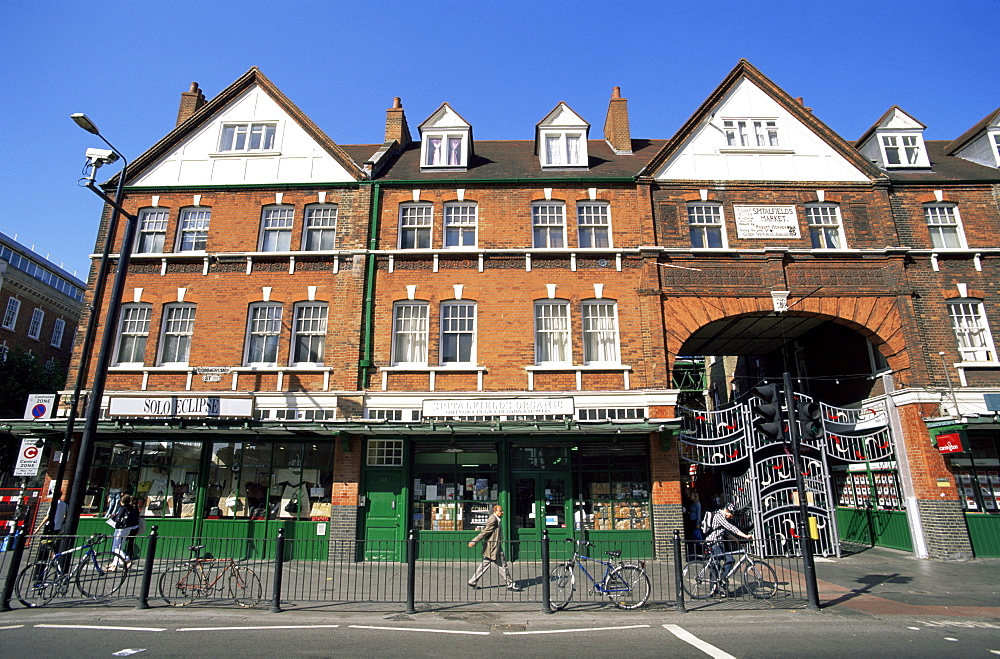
x: 292, y: 507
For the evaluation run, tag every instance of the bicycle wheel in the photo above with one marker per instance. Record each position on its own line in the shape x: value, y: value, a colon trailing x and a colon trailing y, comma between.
x: 561, y: 585
x: 759, y: 579
x: 179, y: 585
x: 244, y: 586
x: 700, y: 579
x: 101, y: 575
x: 39, y: 583
x: 628, y: 587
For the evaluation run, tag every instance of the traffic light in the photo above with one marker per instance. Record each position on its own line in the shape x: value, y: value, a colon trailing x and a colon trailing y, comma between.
x: 808, y: 416
x: 767, y: 414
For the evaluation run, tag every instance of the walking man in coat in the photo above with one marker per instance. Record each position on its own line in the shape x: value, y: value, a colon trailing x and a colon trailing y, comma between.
x: 492, y: 551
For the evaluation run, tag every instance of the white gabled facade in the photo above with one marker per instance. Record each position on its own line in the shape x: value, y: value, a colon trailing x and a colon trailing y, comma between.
x: 748, y: 135
x: 274, y: 149
x: 896, y: 141
x: 561, y: 139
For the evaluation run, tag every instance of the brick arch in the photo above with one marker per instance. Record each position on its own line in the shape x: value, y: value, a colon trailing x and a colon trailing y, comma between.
x: 874, y: 317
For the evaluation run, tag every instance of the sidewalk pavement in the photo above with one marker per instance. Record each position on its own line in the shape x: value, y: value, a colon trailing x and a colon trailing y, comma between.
x: 879, y: 581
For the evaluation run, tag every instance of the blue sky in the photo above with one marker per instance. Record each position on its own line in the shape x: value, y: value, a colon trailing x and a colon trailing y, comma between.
x: 502, y: 65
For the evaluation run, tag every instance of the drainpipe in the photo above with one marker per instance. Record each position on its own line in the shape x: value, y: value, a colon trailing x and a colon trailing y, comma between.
x: 365, y: 364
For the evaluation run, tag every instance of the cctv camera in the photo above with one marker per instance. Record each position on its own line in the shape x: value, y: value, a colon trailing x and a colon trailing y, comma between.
x: 101, y: 156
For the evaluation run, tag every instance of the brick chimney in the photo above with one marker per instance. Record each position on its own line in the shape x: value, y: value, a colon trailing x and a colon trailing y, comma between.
x: 395, y: 124
x: 616, y: 130
x: 191, y: 102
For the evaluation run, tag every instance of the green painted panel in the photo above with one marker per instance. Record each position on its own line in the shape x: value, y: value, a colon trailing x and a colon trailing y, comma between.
x: 875, y: 528
x: 984, y: 531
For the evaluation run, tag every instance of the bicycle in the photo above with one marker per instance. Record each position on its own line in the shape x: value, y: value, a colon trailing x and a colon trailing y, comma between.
x: 184, y: 582
x: 627, y: 584
x: 97, y: 575
x: 703, y: 577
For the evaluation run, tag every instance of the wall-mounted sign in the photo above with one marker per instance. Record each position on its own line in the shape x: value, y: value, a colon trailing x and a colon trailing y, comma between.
x: 766, y: 222
x: 213, y: 373
x: 951, y: 442
x: 29, y: 458
x: 197, y: 406
x: 499, y: 407
x: 40, y: 406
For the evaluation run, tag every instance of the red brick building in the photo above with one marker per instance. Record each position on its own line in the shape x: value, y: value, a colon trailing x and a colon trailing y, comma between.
x: 352, y: 341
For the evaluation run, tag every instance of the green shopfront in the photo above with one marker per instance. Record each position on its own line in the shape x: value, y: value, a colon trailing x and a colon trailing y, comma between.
x: 588, y: 482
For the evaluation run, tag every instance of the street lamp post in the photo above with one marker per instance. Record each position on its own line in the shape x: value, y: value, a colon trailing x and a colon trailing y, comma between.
x: 87, y: 346
x: 93, y: 412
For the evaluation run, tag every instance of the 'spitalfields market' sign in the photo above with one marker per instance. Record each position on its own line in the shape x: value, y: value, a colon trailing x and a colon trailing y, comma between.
x: 766, y: 222
x: 498, y: 407
x: 197, y: 406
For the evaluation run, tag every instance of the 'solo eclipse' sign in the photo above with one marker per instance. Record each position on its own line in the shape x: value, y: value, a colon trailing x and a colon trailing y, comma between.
x: 197, y: 406
x: 766, y: 222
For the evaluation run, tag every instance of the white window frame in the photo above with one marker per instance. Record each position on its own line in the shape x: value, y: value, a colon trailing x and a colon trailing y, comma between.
x: 309, y: 325
x: 548, y: 220
x: 10, y: 314
x: 461, y: 224
x: 263, y: 332
x: 752, y: 133
x: 972, y: 330
x: 176, y: 330
x: 444, y: 156
x: 593, y: 218
x: 906, y: 149
x: 698, y: 221
x: 192, y: 229
x: 458, y: 320
x: 58, y: 331
x: 601, y: 342
x: 553, y: 333
x: 320, y: 227
x: 256, y: 137
x: 410, y: 321
x: 994, y: 138
x: 35, y: 326
x: 384, y: 453
x: 826, y: 228
x: 565, y: 148
x: 152, y: 230
x: 276, y: 223
x: 417, y: 221
x: 934, y: 214
x: 133, y: 328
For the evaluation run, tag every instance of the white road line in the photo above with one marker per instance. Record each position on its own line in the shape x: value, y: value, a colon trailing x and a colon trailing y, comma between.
x: 418, y: 629
x: 688, y: 637
x: 568, y: 631
x: 12, y: 627
x: 125, y: 629
x: 215, y: 629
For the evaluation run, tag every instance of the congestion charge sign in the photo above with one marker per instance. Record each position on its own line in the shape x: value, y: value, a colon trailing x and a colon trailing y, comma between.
x: 29, y: 458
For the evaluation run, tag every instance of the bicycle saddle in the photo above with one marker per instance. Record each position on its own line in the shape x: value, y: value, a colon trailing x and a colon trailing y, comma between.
x: 196, y: 547
x: 615, y: 553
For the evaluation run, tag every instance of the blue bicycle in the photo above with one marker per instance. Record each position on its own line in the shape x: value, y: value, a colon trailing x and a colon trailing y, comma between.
x: 98, y: 574
x: 627, y: 584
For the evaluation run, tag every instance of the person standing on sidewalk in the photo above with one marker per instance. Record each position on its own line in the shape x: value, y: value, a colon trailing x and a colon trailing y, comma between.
x: 492, y: 551
x: 126, y: 519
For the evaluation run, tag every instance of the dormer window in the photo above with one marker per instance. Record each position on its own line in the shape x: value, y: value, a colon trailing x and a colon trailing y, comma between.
x: 561, y: 139
x: 562, y: 149
x: 443, y: 151
x: 751, y: 133
x: 445, y: 140
x: 901, y: 150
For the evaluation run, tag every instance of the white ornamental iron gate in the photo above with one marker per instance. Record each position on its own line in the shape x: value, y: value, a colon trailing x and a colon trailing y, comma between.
x: 759, y: 472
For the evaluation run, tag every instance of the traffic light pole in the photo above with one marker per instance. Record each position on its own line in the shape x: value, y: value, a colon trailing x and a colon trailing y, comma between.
x: 805, y: 535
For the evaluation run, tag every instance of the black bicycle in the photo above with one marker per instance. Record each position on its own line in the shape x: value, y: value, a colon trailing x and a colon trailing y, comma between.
x: 707, y: 576
x: 627, y: 584
x: 97, y: 575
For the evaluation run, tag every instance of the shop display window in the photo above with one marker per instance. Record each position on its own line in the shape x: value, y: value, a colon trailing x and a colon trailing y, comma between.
x: 878, y: 489
x: 453, y: 491
x: 163, y: 476
x: 977, y: 475
x: 269, y: 480
x: 615, y: 494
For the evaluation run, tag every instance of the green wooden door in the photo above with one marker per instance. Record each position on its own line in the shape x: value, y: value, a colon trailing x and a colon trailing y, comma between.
x: 383, y: 516
x: 539, y: 501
